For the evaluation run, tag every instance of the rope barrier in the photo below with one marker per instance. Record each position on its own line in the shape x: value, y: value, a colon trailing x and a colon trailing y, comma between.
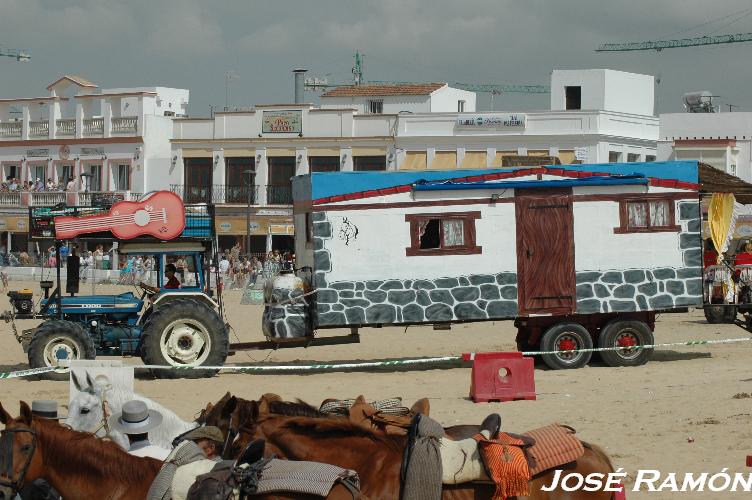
x: 392, y: 362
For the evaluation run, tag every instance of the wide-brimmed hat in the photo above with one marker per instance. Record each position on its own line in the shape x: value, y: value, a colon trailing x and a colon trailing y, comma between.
x: 44, y: 408
x: 135, y: 418
x: 209, y: 432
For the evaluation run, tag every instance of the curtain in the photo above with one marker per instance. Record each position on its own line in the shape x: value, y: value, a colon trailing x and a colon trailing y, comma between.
x: 659, y: 214
x: 454, y: 233
x: 637, y: 215
x: 721, y: 221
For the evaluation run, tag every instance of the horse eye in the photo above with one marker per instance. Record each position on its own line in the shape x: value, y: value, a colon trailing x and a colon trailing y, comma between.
x: 26, y: 448
x: 85, y: 410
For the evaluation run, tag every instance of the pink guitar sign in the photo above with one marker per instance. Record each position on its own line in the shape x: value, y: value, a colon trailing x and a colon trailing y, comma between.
x: 161, y: 215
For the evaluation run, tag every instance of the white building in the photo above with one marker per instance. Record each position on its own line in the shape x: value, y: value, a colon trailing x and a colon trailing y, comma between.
x: 596, y: 116
x: 723, y: 140
x: 107, y: 140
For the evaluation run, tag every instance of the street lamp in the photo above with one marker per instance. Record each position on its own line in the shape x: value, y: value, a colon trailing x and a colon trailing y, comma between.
x: 250, y: 174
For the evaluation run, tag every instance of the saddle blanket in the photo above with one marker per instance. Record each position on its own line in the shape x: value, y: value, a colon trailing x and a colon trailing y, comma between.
x: 310, y: 478
x: 554, y: 445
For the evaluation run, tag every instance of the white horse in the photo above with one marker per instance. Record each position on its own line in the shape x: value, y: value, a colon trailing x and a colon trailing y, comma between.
x: 86, y: 412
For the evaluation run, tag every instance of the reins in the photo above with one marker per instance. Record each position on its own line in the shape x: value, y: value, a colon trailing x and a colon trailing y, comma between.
x: 16, y: 485
x: 104, y: 424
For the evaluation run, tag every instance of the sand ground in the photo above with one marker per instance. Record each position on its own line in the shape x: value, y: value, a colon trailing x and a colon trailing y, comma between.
x: 687, y: 410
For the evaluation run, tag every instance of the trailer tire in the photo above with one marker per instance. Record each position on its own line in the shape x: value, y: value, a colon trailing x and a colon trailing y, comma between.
x: 719, y: 314
x: 184, y: 332
x: 620, y: 333
x: 61, y: 340
x: 566, y: 336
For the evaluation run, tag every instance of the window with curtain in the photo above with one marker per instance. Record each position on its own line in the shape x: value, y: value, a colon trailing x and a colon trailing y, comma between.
x: 442, y: 234
x: 122, y: 177
x: 647, y: 216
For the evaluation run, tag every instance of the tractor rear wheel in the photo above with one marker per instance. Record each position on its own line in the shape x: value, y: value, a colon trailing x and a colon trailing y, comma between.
x: 56, y: 342
x: 184, y: 333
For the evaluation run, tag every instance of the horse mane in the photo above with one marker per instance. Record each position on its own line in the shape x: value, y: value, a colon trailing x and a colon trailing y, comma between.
x: 297, y: 408
x: 93, y: 455
x: 331, y: 427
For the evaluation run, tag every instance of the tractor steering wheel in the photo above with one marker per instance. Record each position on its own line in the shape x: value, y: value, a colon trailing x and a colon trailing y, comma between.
x: 148, y: 292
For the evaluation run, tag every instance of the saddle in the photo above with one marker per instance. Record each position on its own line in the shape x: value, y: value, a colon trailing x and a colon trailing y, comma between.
x: 388, y: 415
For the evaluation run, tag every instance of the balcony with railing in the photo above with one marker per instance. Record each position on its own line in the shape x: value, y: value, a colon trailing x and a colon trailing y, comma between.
x: 279, y: 195
x: 217, y: 194
x: 39, y: 129
x: 66, y: 127
x: 10, y: 199
x: 125, y: 125
x: 93, y: 126
x: 71, y: 198
x: 10, y: 129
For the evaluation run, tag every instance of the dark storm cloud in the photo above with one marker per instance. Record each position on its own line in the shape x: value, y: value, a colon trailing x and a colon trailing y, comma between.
x: 191, y: 44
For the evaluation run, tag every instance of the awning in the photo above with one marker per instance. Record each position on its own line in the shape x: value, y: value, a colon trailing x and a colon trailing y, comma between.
x: 628, y: 180
x: 713, y: 180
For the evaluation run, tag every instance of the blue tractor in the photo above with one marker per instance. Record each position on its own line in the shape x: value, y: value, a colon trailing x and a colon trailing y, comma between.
x: 164, y: 326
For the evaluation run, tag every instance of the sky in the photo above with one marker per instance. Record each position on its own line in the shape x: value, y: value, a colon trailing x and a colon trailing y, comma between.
x: 193, y: 44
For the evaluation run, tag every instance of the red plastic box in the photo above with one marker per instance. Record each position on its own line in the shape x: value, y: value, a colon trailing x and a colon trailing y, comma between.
x: 501, y: 376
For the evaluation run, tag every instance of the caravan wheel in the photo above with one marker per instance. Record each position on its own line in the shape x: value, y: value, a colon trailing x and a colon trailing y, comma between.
x: 626, y: 334
x: 565, y: 337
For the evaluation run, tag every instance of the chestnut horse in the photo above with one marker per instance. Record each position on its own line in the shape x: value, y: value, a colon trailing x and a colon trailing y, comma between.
x: 80, y: 465
x: 375, y: 456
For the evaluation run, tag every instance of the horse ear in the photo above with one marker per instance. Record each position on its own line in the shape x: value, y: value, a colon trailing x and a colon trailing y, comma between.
x: 4, y: 415
x: 25, y: 413
x: 89, y: 381
x: 76, y: 383
x: 232, y: 403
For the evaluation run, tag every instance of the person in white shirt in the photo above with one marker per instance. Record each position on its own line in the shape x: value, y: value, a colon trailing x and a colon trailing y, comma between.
x: 71, y: 186
x: 135, y: 421
x: 224, y: 265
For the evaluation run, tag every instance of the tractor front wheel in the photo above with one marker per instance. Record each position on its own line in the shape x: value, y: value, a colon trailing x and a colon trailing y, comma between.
x: 55, y: 343
x: 184, y: 333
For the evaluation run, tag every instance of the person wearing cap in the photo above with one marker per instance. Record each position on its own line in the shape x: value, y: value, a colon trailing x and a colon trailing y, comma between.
x: 209, y: 439
x: 40, y: 489
x: 135, y: 421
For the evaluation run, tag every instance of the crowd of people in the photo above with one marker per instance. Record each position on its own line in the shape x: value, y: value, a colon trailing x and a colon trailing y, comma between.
x: 239, y: 271
x: 12, y: 184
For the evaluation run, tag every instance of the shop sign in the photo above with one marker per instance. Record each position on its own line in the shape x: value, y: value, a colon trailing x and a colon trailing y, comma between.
x: 265, y: 211
x: 21, y: 224
x: 491, y: 120
x: 580, y: 154
x: 3, y: 224
x: 254, y: 226
x: 225, y: 226
x: 282, y: 122
x: 36, y: 153
x: 281, y: 229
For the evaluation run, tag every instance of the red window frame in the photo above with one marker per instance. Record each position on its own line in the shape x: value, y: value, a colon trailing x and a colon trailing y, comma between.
x: 625, y: 228
x: 469, y: 246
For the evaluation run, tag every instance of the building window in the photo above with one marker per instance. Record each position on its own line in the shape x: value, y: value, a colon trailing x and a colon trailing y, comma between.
x: 451, y: 233
x: 369, y: 163
x: 37, y: 172
x: 614, y: 157
x: 376, y: 107
x: 122, y: 177
x: 323, y: 163
x: 732, y: 169
x: 460, y: 106
x: 633, y: 157
x: 645, y: 216
x: 93, y: 180
x: 573, y: 97
x: 649, y: 158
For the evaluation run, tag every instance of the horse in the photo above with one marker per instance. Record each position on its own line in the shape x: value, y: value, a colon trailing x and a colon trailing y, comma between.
x: 96, y: 401
x: 375, y: 456
x: 81, y: 466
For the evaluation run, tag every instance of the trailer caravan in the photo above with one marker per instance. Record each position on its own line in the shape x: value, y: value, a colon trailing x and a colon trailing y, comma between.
x: 577, y: 255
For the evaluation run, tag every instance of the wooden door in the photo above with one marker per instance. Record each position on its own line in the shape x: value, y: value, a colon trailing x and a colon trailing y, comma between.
x: 545, y: 251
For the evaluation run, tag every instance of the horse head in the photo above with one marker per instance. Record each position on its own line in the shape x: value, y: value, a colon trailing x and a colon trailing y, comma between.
x: 86, y: 409
x: 20, y: 457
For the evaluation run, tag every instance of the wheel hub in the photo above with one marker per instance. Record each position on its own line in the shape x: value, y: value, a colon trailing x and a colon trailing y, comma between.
x: 184, y: 342
x: 567, y: 345
x: 58, y: 351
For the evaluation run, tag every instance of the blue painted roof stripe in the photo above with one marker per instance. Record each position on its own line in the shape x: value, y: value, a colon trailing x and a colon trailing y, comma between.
x: 326, y: 184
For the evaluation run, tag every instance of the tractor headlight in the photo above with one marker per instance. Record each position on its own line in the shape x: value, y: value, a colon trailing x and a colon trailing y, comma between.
x: 94, y: 323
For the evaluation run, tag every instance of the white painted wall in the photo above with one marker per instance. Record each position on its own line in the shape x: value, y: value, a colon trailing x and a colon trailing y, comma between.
x: 445, y: 100
x: 605, y: 89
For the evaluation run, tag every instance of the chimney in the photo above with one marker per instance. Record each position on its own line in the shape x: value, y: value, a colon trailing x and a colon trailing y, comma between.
x: 299, y: 82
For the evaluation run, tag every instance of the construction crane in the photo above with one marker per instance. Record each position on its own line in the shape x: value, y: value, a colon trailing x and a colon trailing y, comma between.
x: 313, y: 84
x: 659, y: 45
x: 18, y: 55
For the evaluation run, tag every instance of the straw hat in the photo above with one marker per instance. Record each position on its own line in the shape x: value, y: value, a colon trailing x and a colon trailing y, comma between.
x: 44, y: 408
x: 135, y: 418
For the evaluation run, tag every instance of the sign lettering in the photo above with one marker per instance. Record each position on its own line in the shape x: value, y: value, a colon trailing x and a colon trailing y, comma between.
x: 491, y: 120
x: 282, y: 122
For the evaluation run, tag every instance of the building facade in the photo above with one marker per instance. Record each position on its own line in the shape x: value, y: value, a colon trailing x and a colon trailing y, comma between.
x: 107, y: 142
x: 243, y: 161
x: 722, y: 140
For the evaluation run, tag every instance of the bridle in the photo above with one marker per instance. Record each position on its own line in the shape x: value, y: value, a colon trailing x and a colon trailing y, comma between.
x: 6, y: 449
x: 104, y: 424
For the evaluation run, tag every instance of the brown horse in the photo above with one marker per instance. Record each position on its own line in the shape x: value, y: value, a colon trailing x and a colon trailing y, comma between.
x: 80, y: 465
x: 376, y: 457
